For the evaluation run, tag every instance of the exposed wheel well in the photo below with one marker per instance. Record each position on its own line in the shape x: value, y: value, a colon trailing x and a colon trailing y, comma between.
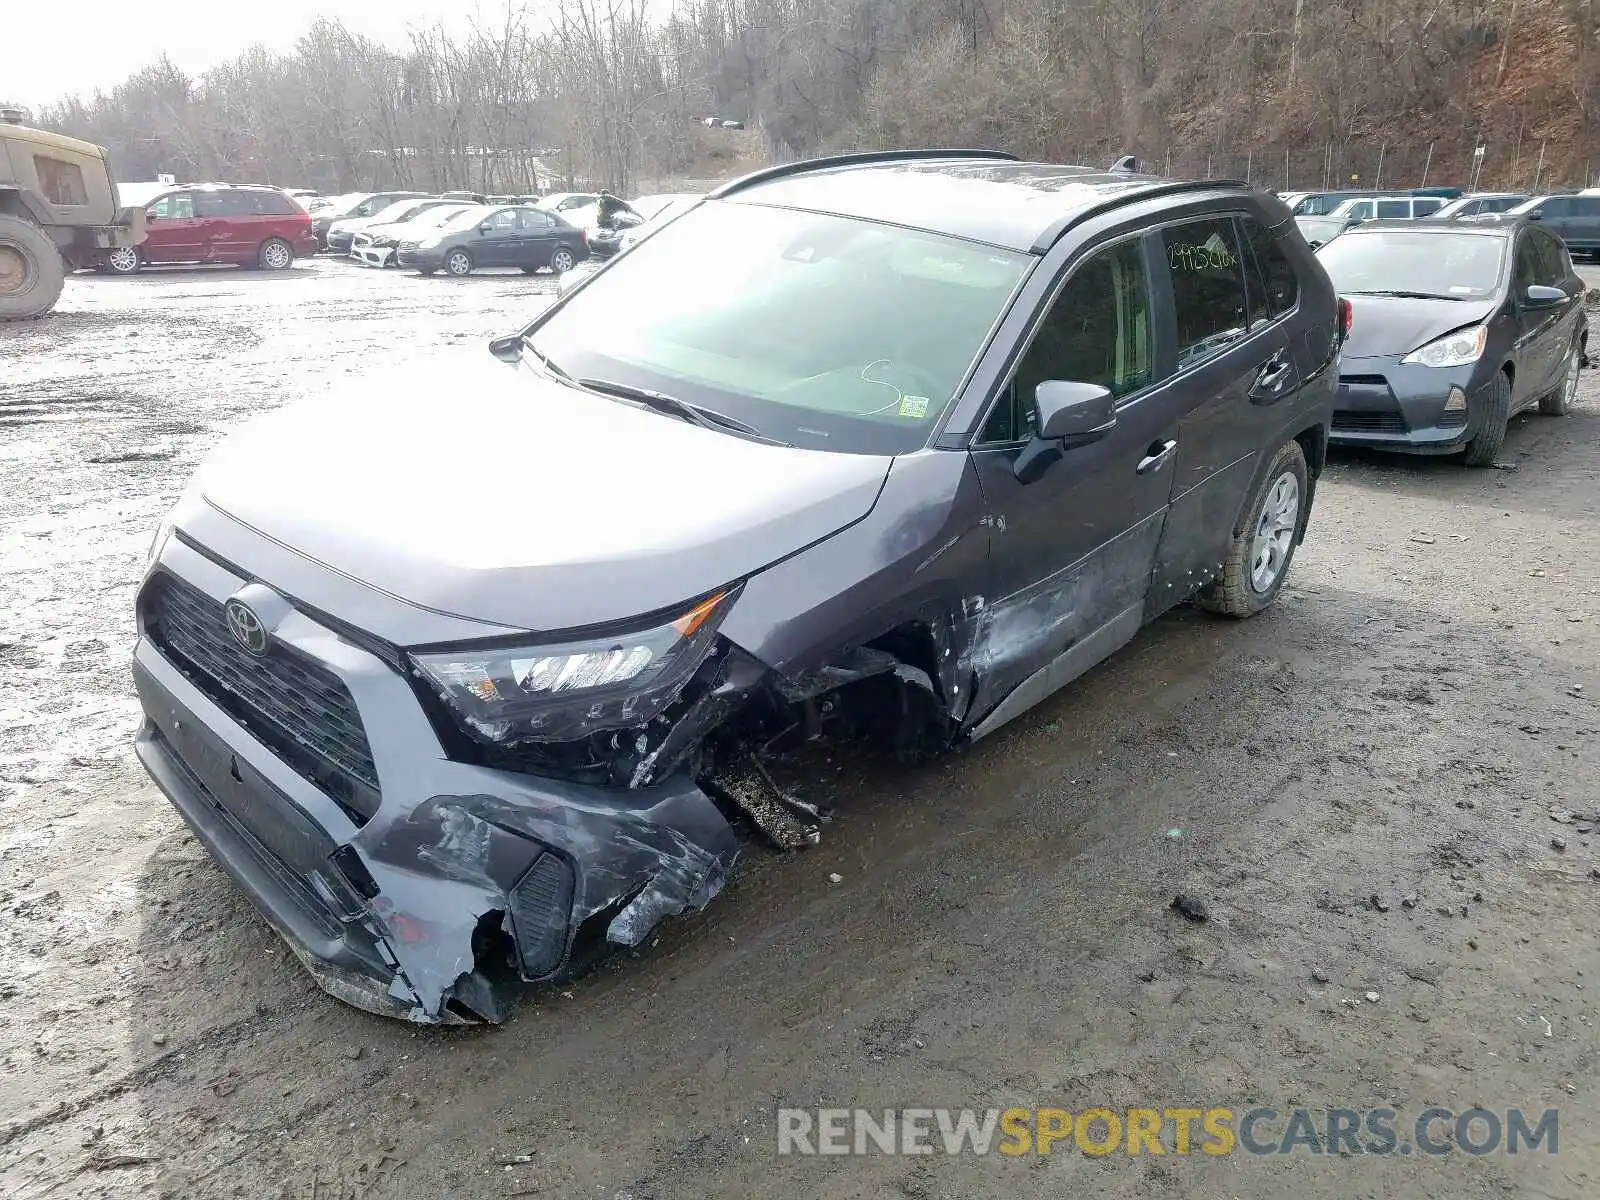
x: 11, y: 204
x: 1510, y: 372
x: 1314, y: 444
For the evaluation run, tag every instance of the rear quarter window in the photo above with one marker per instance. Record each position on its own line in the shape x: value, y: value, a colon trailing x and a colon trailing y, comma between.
x: 1274, y: 285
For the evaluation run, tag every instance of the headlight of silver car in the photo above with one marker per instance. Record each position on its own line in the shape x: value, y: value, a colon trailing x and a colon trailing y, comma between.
x: 561, y: 692
x: 1458, y: 349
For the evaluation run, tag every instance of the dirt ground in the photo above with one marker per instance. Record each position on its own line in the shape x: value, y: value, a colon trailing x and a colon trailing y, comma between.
x: 1400, y: 726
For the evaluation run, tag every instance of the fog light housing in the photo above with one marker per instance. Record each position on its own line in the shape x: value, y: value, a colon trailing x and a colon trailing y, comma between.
x: 541, y: 908
x: 1457, y: 401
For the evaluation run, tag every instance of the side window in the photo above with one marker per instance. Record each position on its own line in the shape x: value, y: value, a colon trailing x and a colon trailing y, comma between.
x: 1388, y: 209
x: 503, y: 220
x: 1584, y: 206
x: 1425, y: 205
x: 1553, y: 258
x: 61, y: 182
x: 220, y: 204
x: 535, y: 220
x: 1097, y: 331
x: 1362, y: 211
x: 1207, y: 288
x: 1273, y: 274
x: 175, y: 206
x: 1529, y: 270
x: 1556, y: 206
x: 271, y: 204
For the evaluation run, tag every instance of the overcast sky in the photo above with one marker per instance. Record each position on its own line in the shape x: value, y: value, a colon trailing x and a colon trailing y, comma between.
x: 101, y: 42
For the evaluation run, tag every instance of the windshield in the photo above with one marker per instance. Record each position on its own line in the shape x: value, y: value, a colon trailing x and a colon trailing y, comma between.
x: 430, y: 218
x: 1456, y: 266
x: 396, y: 211
x: 1319, y: 204
x: 823, y: 331
x: 461, y: 218
x: 1527, y: 206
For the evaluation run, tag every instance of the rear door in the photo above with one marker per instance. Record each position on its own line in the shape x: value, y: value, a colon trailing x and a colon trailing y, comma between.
x: 1072, y: 549
x: 1233, y: 360
x: 224, y: 221
x: 173, y: 233
x: 538, y: 238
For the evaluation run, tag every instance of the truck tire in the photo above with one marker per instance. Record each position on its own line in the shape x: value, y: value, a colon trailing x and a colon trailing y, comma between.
x: 31, y: 270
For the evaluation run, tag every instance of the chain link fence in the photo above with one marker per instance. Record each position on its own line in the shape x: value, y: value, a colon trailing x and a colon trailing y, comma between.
x: 1530, y: 167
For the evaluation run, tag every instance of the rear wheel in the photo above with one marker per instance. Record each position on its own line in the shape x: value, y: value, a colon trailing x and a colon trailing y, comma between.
x: 31, y: 270
x: 426, y: 270
x: 275, y: 255
x: 1558, y: 402
x: 1264, y: 544
x: 562, y: 260
x: 458, y: 263
x: 124, y: 260
x: 1485, y: 447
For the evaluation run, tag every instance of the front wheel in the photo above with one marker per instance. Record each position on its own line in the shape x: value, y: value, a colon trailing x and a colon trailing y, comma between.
x: 124, y: 260
x: 1483, y: 449
x: 458, y: 263
x: 1263, y: 546
x: 1560, y: 401
x: 562, y: 260
x: 31, y: 269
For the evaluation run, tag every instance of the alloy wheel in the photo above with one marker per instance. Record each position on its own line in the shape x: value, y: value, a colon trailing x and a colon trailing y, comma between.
x: 124, y: 260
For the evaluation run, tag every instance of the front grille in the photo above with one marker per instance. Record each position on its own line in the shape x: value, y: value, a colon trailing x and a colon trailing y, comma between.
x: 1354, y: 421
x: 292, y: 704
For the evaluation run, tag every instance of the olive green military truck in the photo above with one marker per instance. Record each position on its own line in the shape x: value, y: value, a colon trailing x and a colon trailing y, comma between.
x: 58, y: 210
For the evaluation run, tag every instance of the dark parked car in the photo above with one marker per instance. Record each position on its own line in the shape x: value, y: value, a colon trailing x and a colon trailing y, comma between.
x: 356, y: 204
x: 1573, y: 219
x: 514, y: 236
x: 214, y: 223
x: 1455, y: 328
x: 946, y: 432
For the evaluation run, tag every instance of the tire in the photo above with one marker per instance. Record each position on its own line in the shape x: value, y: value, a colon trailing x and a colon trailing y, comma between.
x: 426, y: 270
x: 275, y: 255
x: 124, y: 260
x: 562, y: 260
x: 458, y: 263
x: 530, y: 270
x: 1485, y: 448
x: 31, y: 270
x: 1559, y: 402
x: 1263, y: 545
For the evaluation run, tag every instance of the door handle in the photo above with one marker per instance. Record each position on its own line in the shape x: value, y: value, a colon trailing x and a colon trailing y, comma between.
x: 1274, y: 373
x: 1155, y: 457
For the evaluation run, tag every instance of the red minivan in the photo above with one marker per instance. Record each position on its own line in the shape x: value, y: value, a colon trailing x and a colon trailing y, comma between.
x: 215, y: 223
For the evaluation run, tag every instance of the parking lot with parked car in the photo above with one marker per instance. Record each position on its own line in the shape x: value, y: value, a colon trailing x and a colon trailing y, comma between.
x: 1380, y: 791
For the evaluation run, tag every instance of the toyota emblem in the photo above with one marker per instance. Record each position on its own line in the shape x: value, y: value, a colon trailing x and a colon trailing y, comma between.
x: 245, y: 626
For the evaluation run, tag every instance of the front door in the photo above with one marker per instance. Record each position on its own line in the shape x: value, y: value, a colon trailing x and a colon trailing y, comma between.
x: 1072, y: 549
x: 1538, y: 354
x: 497, y: 240
x: 173, y: 230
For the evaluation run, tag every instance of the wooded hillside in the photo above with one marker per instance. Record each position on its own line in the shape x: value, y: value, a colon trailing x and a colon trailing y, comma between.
x: 1293, y: 92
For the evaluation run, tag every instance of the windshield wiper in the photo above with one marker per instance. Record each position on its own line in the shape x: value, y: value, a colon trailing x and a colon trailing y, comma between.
x: 706, y: 418
x: 1409, y: 295
x: 544, y: 359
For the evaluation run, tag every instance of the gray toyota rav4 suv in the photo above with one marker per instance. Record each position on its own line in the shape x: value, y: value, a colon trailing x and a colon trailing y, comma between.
x: 462, y: 681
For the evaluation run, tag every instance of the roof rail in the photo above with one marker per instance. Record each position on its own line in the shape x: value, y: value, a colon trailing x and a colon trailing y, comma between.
x: 1053, y: 233
x: 864, y: 158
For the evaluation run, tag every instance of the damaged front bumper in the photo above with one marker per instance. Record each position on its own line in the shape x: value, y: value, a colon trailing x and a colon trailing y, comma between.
x: 369, y: 255
x: 462, y: 883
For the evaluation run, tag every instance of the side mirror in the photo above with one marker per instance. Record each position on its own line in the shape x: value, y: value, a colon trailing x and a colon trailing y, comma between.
x: 1538, y: 296
x: 1069, y: 415
x: 1534, y: 216
x: 484, y: 228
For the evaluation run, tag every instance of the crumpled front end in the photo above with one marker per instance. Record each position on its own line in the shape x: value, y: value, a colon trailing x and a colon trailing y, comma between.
x: 409, y: 885
x: 370, y: 253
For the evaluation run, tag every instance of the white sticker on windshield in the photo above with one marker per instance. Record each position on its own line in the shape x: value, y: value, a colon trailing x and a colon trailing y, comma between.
x: 913, y: 406
x: 1458, y: 288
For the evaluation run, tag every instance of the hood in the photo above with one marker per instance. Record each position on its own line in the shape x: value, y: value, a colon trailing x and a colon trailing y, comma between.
x: 1392, y: 325
x: 494, y: 493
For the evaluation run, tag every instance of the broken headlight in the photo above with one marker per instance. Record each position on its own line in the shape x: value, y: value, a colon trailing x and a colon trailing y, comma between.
x: 560, y: 692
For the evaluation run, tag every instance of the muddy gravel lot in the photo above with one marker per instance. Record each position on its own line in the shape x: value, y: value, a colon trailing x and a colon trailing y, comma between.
x: 1385, y: 789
